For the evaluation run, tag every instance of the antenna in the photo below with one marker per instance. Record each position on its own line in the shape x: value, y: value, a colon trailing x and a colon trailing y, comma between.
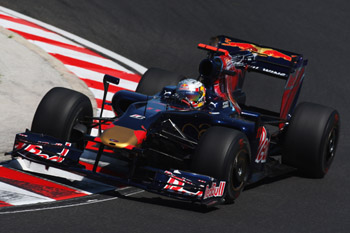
x: 106, y: 80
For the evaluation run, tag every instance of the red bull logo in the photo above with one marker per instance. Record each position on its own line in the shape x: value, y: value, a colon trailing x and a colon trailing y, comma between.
x: 275, y: 54
x: 184, y: 86
x: 256, y: 49
x: 214, y: 191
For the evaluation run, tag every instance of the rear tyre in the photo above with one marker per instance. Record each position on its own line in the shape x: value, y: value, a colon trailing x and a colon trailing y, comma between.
x: 155, y: 79
x: 311, y: 139
x: 224, y: 154
x: 61, y: 113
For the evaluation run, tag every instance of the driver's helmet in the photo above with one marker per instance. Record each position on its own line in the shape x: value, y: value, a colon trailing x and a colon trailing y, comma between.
x: 191, y: 92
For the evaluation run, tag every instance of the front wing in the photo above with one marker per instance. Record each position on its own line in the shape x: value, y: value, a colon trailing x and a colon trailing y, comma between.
x: 173, y: 183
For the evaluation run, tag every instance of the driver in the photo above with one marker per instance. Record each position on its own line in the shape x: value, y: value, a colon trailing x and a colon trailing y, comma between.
x: 191, y: 92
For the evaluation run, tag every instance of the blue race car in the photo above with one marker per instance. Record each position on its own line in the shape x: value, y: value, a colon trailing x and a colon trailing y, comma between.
x: 191, y: 139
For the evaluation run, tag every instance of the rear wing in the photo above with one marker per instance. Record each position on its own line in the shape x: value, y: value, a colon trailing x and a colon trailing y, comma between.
x: 268, y: 60
x: 283, y: 64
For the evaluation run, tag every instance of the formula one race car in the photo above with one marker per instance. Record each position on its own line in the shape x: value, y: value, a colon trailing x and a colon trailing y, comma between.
x: 194, y: 140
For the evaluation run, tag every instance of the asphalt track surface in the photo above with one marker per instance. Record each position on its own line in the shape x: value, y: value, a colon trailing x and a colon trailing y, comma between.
x: 165, y: 34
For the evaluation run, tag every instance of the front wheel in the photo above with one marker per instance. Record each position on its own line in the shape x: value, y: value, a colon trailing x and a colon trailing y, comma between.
x: 64, y: 114
x: 224, y: 154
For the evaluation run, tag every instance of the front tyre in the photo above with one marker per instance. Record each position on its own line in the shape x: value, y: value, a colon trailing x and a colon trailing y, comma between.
x: 224, y: 154
x: 64, y: 114
x: 311, y: 139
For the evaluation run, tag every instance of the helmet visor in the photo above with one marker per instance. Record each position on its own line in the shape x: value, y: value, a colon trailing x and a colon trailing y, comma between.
x: 191, y: 96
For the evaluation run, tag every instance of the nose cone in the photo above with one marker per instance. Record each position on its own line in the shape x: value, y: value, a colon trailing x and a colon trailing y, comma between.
x: 122, y: 137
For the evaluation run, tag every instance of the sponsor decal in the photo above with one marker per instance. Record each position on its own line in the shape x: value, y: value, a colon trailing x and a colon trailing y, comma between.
x: 274, y: 72
x: 260, y: 50
x: 176, y: 184
x: 214, y: 191
x: 167, y: 94
x: 213, y: 104
x: 184, y: 87
x: 264, y: 143
x: 38, y: 149
x: 225, y: 104
x: 137, y: 116
x: 268, y: 71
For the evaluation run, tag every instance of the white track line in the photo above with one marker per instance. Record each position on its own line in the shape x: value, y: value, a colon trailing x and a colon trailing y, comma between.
x: 89, y: 202
x: 128, y: 62
x: 85, y: 185
x: 106, y: 113
x: 50, y: 48
x: 36, y: 31
x: 8, y: 15
x: 96, y: 76
x: 99, y: 94
x: 17, y: 196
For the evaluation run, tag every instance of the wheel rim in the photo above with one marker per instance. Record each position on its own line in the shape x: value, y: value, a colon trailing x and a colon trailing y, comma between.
x: 330, y: 148
x: 239, y: 171
x: 72, y: 136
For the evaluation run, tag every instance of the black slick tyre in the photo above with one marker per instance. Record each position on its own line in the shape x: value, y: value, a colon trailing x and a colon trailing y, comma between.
x: 59, y: 112
x: 311, y: 139
x: 224, y: 154
x: 155, y: 79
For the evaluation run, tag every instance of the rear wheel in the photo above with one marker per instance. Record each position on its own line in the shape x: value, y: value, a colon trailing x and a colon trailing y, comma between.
x: 311, y: 139
x: 224, y: 153
x: 155, y: 79
x: 62, y: 114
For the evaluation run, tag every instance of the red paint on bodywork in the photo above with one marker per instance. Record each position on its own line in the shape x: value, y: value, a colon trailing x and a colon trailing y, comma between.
x: 260, y: 50
x: 140, y: 135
